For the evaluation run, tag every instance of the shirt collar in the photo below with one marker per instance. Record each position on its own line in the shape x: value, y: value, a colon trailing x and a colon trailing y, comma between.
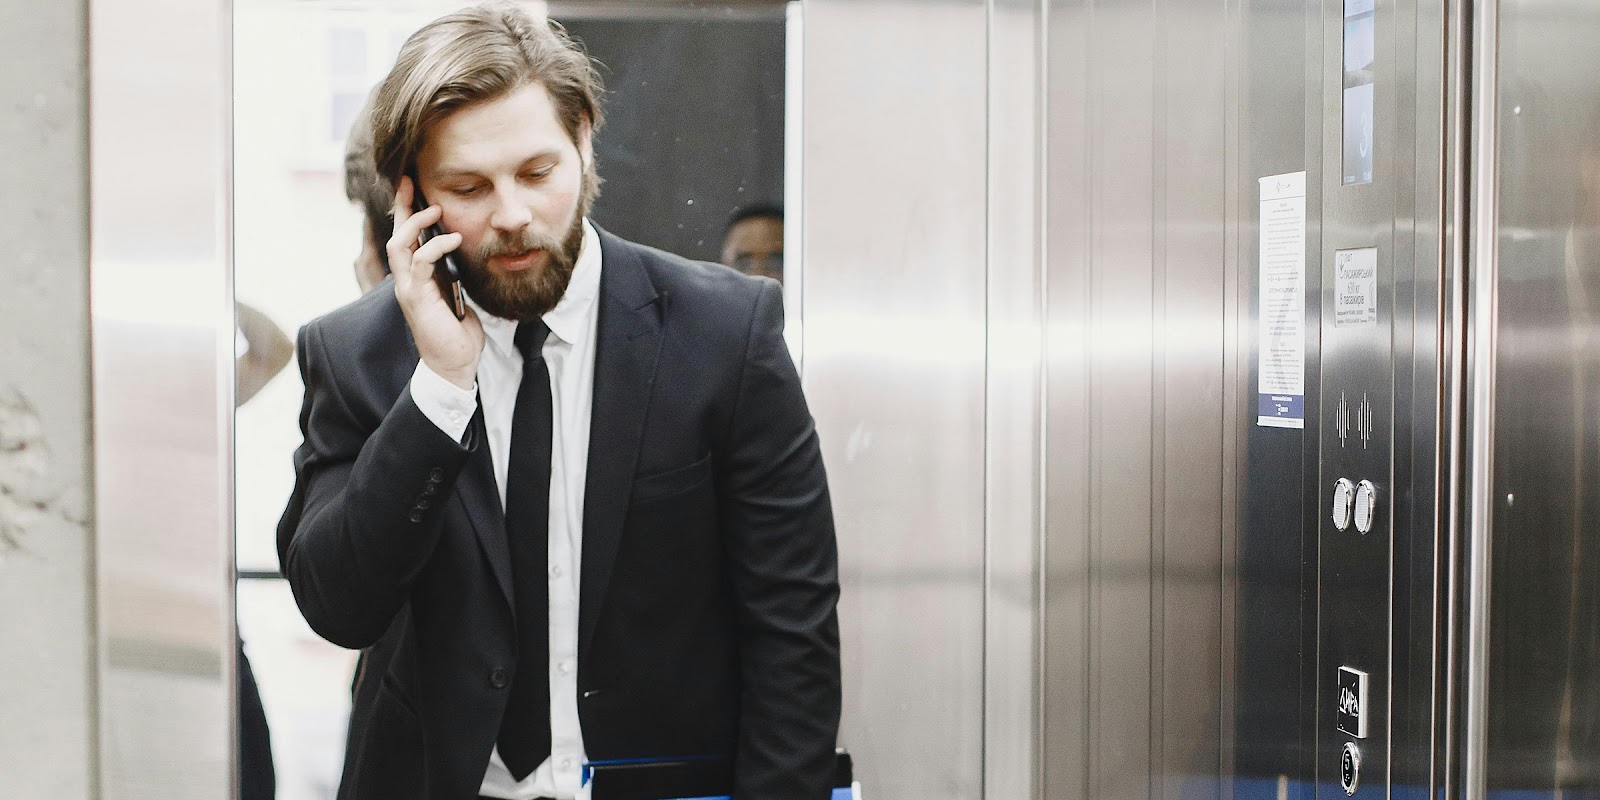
x: 573, y: 317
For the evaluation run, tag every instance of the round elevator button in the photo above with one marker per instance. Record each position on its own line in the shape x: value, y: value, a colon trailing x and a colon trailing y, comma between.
x: 1343, y: 497
x: 1350, y: 768
x: 1366, y: 506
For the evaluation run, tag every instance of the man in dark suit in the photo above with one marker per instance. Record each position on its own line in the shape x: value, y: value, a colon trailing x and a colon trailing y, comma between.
x: 586, y: 518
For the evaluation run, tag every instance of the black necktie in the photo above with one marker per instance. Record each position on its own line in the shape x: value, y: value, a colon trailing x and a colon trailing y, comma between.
x: 525, y: 729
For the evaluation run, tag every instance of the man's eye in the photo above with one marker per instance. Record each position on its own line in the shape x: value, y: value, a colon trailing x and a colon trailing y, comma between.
x: 538, y: 174
x: 465, y: 191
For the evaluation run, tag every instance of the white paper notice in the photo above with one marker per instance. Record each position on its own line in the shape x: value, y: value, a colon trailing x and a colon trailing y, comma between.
x: 1355, y: 286
x: 1281, y: 368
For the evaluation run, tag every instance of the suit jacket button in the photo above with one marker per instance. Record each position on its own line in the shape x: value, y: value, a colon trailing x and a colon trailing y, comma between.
x: 423, y: 503
x: 498, y: 678
x: 436, y: 476
x: 416, y: 517
x: 430, y: 489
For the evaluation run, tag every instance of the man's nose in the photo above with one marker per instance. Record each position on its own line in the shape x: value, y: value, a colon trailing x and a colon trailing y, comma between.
x: 510, y: 211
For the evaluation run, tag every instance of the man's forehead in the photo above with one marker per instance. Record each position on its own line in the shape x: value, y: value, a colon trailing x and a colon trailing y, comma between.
x: 756, y: 229
x: 510, y: 130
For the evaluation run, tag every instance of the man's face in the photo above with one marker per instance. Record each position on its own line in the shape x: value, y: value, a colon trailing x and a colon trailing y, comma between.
x: 510, y: 181
x: 754, y: 246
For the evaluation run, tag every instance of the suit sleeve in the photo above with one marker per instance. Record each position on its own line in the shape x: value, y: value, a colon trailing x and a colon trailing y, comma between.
x: 366, y: 510
x: 778, y: 532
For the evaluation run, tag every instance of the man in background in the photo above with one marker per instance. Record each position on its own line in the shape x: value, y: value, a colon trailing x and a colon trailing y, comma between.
x: 753, y: 241
x: 262, y: 351
x: 373, y: 195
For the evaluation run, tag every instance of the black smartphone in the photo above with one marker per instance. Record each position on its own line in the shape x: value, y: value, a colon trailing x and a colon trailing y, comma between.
x: 446, y: 272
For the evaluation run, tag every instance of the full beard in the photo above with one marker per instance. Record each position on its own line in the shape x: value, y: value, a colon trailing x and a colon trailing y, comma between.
x: 532, y: 293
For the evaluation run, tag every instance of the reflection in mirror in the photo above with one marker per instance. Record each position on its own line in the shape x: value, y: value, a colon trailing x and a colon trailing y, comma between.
x: 692, y: 160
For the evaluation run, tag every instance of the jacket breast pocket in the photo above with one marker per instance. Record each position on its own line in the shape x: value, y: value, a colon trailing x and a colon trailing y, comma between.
x: 672, y: 482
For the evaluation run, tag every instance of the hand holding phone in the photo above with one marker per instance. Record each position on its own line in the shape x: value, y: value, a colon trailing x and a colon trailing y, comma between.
x: 448, y: 336
x: 446, y: 273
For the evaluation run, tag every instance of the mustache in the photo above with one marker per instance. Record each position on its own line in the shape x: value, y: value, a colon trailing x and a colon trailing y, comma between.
x: 511, y: 244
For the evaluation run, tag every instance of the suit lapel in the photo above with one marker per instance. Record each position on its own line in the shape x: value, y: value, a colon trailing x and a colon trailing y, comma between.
x: 481, y: 499
x: 626, y: 351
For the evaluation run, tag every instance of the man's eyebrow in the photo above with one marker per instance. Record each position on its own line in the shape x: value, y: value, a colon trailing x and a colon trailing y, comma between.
x: 448, y: 171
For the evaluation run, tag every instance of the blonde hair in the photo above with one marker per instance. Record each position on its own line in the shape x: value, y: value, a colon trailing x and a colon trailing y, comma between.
x: 475, y: 55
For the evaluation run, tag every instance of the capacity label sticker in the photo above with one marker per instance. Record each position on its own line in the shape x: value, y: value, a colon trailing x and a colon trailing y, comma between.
x: 1355, y: 287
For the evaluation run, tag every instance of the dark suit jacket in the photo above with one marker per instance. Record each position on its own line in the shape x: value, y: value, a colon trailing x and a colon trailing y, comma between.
x: 709, y: 580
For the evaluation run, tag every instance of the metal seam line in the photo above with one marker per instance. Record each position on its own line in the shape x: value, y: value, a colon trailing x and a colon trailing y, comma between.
x: 1482, y: 319
x: 1453, y: 356
x: 1042, y: 388
x: 988, y: 379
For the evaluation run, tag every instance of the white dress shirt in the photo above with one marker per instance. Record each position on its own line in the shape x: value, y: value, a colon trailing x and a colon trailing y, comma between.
x: 569, y: 352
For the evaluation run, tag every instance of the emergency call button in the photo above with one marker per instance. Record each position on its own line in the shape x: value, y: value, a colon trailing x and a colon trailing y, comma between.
x: 1352, y: 702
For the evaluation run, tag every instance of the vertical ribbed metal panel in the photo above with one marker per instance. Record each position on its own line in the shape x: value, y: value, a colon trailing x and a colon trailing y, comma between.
x: 1141, y: 361
x: 1014, y: 402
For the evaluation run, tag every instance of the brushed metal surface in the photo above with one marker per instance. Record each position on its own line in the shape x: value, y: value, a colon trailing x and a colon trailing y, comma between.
x: 1449, y: 628
x: 895, y: 181
x: 1013, y: 403
x: 1141, y: 362
x: 1423, y: 337
x: 163, y: 332
x: 1483, y: 252
x: 1275, y: 623
x: 1195, y: 472
x: 1379, y: 585
x: 1123, y: 532
x: 1533, y: 678
x: 1066, y: 612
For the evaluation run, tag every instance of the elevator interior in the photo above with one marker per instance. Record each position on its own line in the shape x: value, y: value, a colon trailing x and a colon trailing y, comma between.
x: 1206, y: 388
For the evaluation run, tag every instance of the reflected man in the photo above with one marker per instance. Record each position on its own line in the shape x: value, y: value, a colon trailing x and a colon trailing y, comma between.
x: 753, y: 241
x: 262, y: 352
x: 589, y: 519
x: 366, y: 189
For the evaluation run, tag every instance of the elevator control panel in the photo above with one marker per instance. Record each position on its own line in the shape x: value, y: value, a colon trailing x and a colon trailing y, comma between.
x: 1367, y: 304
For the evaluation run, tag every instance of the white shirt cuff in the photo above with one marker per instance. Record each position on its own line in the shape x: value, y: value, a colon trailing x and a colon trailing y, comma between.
x: 449, y: 406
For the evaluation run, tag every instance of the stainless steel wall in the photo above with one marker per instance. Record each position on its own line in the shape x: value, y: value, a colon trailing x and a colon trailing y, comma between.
x: 1543, y: 721
x: 1020, y: 345
x: 895, y: 304
x: 1142, y: 369
x: 1142, y: 406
